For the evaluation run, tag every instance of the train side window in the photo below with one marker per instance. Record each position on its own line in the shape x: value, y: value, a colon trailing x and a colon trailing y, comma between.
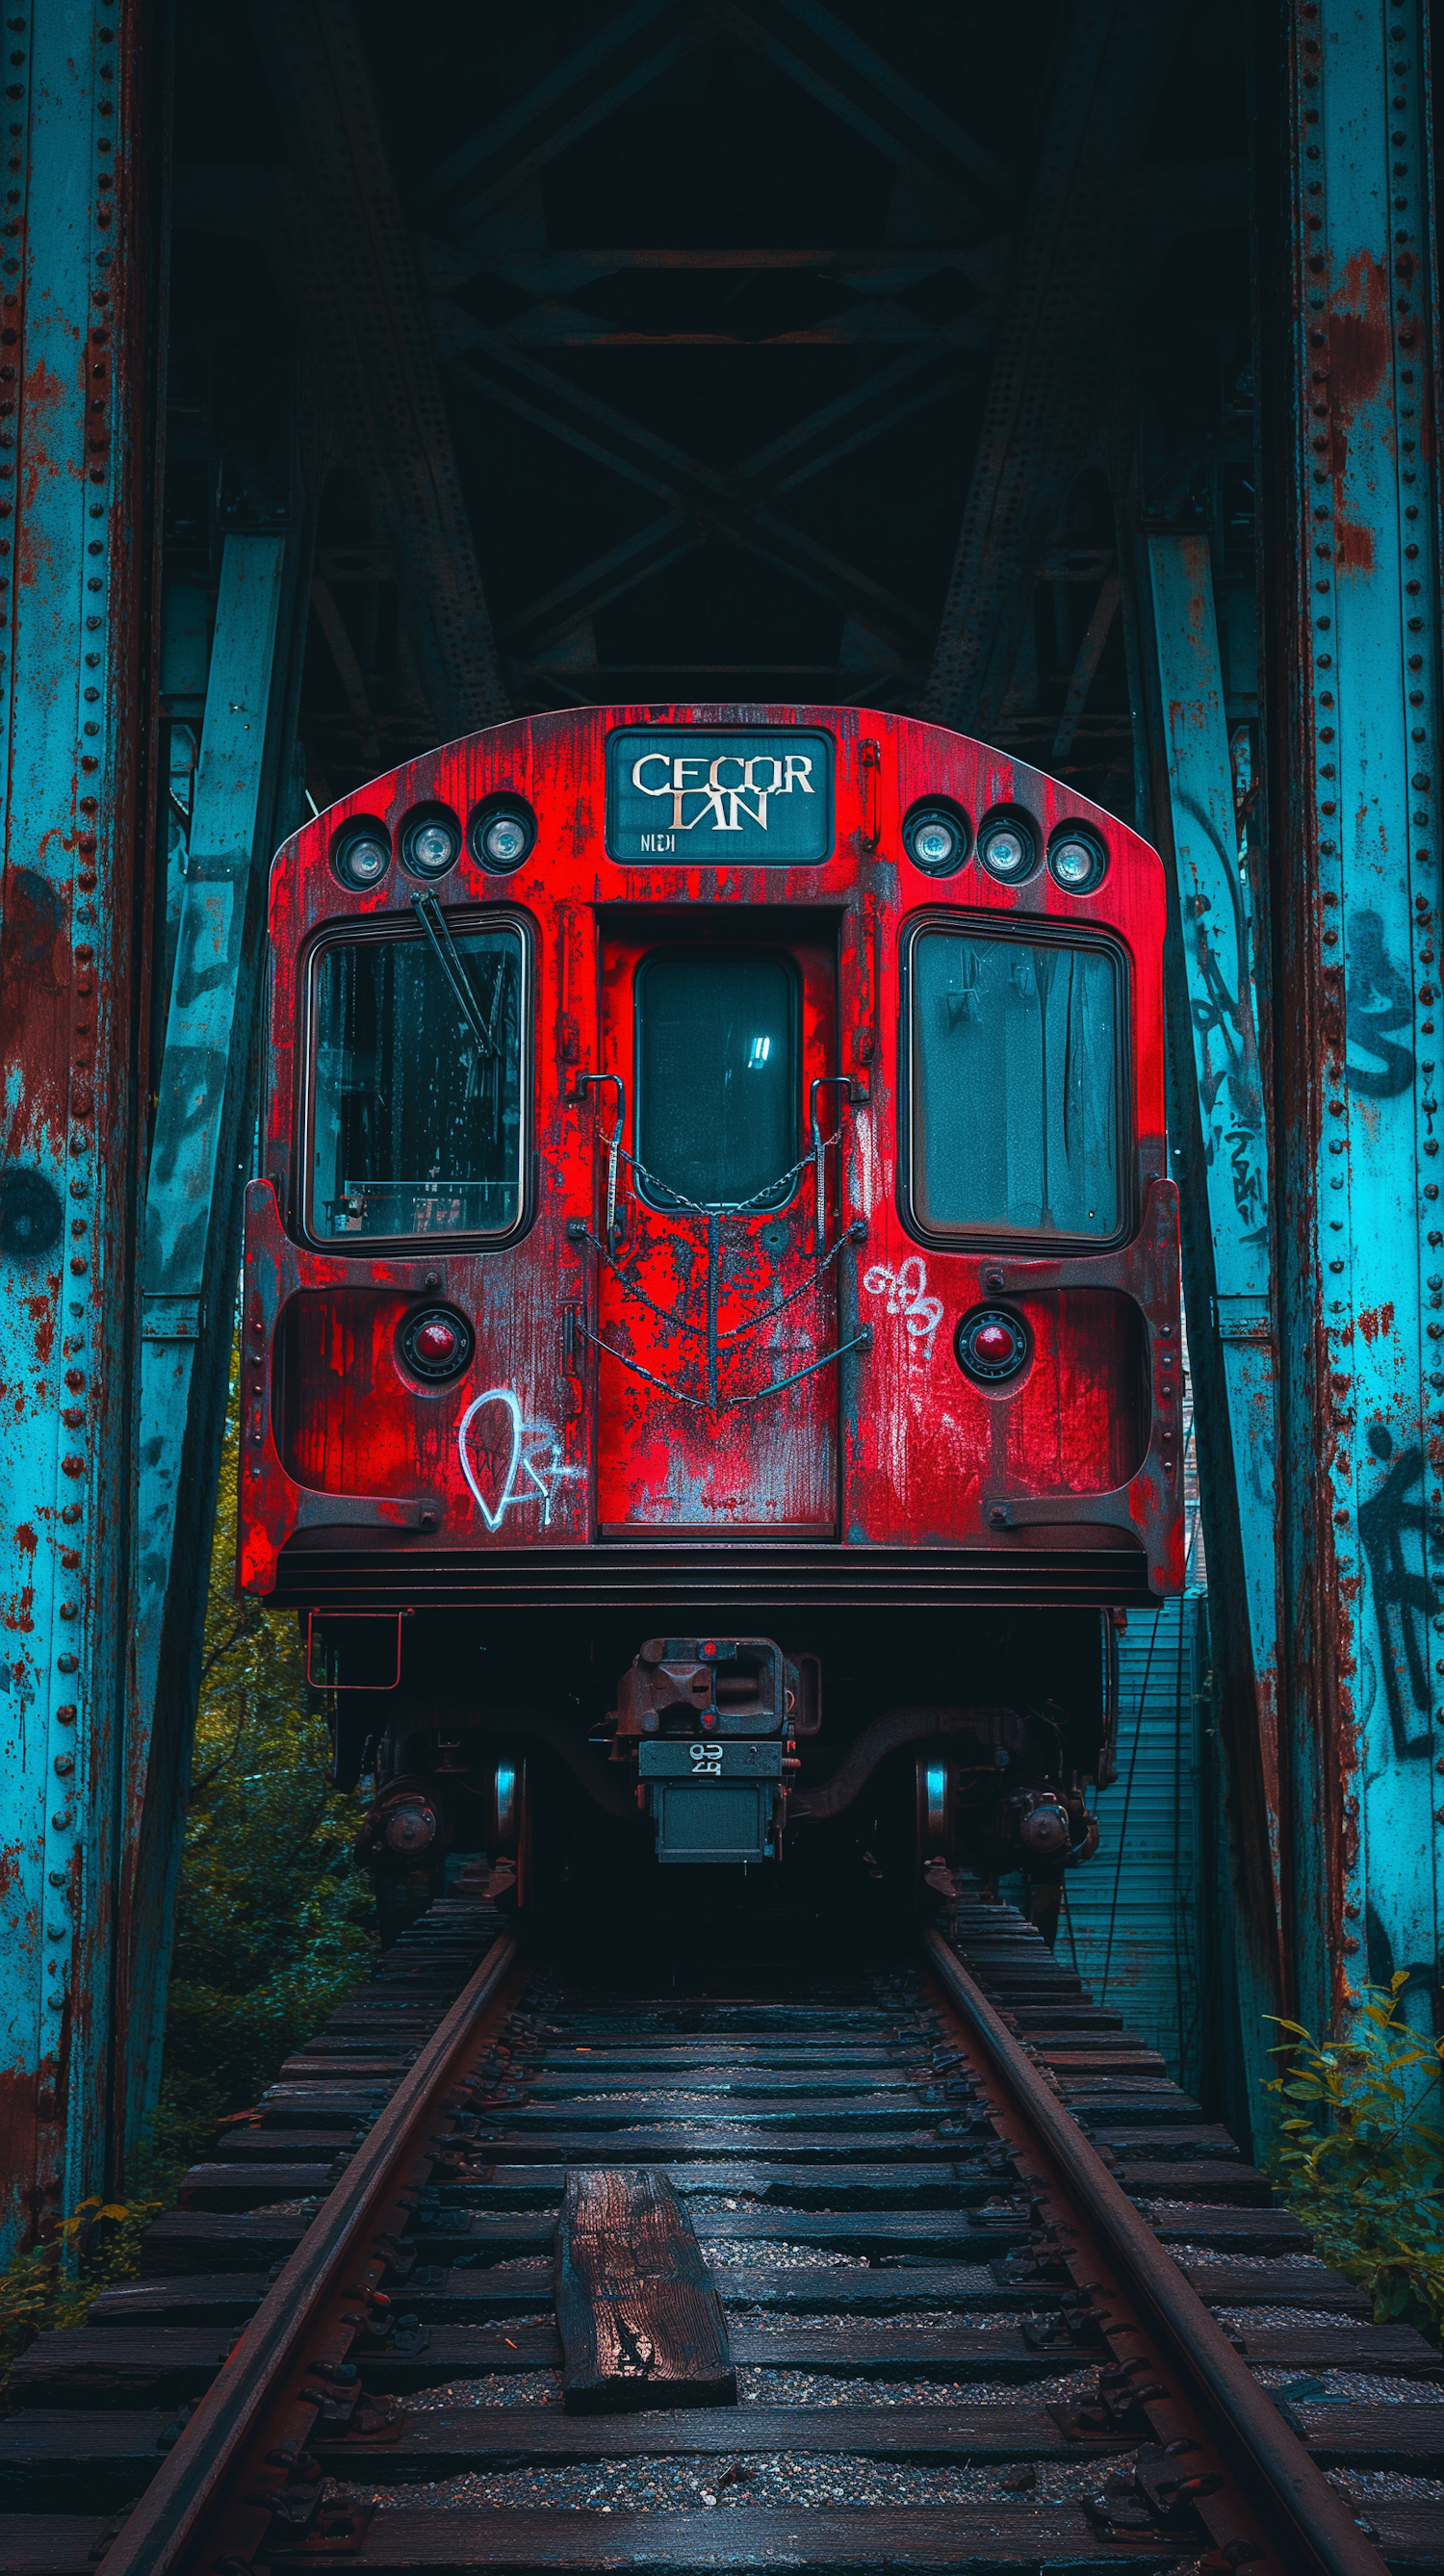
x: 416, y: 1101
x: 1014, y: 1085
x: 717, y: 1100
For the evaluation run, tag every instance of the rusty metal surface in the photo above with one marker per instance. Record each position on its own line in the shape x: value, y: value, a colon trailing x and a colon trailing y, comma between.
x: 1351, y: 424
x: 77, y: 391
x: 545, y: 1441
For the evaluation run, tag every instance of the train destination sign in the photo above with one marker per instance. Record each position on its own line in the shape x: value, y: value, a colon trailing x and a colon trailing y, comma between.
x: 749, y: 798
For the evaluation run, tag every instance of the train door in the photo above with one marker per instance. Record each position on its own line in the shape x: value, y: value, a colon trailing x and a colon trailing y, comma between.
x: 717, y: 1292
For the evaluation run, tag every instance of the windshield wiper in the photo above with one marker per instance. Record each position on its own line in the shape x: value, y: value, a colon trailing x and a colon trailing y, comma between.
x: 448, y: 957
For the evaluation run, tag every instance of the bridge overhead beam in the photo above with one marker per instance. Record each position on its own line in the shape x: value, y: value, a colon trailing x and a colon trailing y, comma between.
x: 1073, y: 273
x: 78, y: 407
x: 1350, y: 432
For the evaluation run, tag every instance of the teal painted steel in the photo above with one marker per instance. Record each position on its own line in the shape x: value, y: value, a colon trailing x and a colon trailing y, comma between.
x: 206, y: 1102
x: 1228, y: 1263
x: 1356, y: 759
x: 76, y: 399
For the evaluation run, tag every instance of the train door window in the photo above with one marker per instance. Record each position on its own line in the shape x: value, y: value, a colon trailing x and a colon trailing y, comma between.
x: 717, y: 1094
x: 1015, y: 1092
x: 417, y: 1084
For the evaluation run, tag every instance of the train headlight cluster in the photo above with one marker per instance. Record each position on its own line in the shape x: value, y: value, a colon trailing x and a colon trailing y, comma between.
x: 361, y: 857
x: 1076, y: 862
x: 502, y: 834
x: 1007, y: 849
x: 430, y: 845
x: 991, y: 1345
x: 935, y: 838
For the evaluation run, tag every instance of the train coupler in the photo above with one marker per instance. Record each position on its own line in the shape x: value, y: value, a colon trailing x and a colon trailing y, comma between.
x: 714, y: 1801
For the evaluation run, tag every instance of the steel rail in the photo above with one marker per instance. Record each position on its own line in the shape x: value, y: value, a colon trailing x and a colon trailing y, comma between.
x: 179, y: 2511
x: 1303, y: 2519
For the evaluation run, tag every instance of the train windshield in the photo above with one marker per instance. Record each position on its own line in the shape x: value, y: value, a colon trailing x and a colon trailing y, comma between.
x: 717, y: 1078
x: 1015, y: 1085
x: 417, y: 1088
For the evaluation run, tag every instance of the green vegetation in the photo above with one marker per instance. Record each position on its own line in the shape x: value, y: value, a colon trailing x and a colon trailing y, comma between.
x: 271, y: 1920
x: 1356, y: 2155
x: 272, y: 1927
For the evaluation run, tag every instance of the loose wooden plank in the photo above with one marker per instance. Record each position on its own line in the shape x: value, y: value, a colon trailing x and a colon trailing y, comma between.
x: 639, y: 2317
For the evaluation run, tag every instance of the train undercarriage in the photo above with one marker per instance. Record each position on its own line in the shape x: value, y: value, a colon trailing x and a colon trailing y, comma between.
x: 930, y: 1740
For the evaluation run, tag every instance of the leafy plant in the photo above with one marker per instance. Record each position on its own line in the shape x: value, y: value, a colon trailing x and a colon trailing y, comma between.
x: 1357, y: 2157
x: 272, y: 1923
x: 53, y: 2284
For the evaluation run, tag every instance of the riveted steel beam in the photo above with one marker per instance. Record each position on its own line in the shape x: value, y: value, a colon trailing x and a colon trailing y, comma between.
x: 1350, y: 425
x: 78, y: 401
x: 1227, y: 1251
x: 204, y: 1114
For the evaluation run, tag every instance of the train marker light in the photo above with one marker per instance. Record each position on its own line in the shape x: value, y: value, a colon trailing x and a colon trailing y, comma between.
x: 1077, y: 862
x: 430, y: 845
x: 1007, y: 849
x: 991, y: 1345
x: 361, y: 859
x: 935, y: 839
x: 502, y: 834
x: 436, y: 1343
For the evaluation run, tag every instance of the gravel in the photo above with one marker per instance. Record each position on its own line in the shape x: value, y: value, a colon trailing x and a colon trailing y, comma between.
x: 494, y: 2388
x: 1242, y: 2320
x: 1215, y: 2258
x: 1358, y: 2387
x: 1385, y: 2486
x: 789, y: 2479
x: 757, y: 2387
x: 740, y: 2255
x: 913, y: 2321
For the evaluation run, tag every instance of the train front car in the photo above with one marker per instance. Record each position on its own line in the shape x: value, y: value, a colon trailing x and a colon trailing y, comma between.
x: 711, y: 1351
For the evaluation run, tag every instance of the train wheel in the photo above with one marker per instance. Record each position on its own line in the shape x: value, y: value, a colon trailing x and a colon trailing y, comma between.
x: 509, y: 1825
x: 936, y: 1811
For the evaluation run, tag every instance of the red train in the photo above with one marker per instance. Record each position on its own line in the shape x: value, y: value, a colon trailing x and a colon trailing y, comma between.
x: 710, y: 1340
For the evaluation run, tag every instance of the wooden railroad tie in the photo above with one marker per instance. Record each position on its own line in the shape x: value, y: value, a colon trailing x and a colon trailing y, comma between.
x: 638, y: 2313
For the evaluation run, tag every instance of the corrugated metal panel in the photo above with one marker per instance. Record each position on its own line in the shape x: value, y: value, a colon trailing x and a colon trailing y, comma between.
x: 1131, y: 1918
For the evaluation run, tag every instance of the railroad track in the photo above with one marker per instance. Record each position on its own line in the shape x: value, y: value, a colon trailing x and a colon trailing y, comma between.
x: 996, y: 2295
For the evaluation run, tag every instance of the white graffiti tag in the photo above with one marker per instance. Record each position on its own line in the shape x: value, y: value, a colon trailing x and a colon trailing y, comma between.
x: 525, y: 1459
x: 906, y: 1294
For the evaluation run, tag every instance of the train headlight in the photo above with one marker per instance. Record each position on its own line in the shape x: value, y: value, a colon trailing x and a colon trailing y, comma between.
x: 991, y: 1345
x: 430, y: 845
x: 1077, y: 862
x: 502, y: 834
x: 436, y: 1343
x: 1007, y: 849
x: 935, y: 839
x: 362, y: 857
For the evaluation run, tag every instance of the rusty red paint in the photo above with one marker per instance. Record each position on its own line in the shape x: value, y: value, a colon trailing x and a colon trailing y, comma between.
x: 1374, y: 1322
x: 925, y: 1458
